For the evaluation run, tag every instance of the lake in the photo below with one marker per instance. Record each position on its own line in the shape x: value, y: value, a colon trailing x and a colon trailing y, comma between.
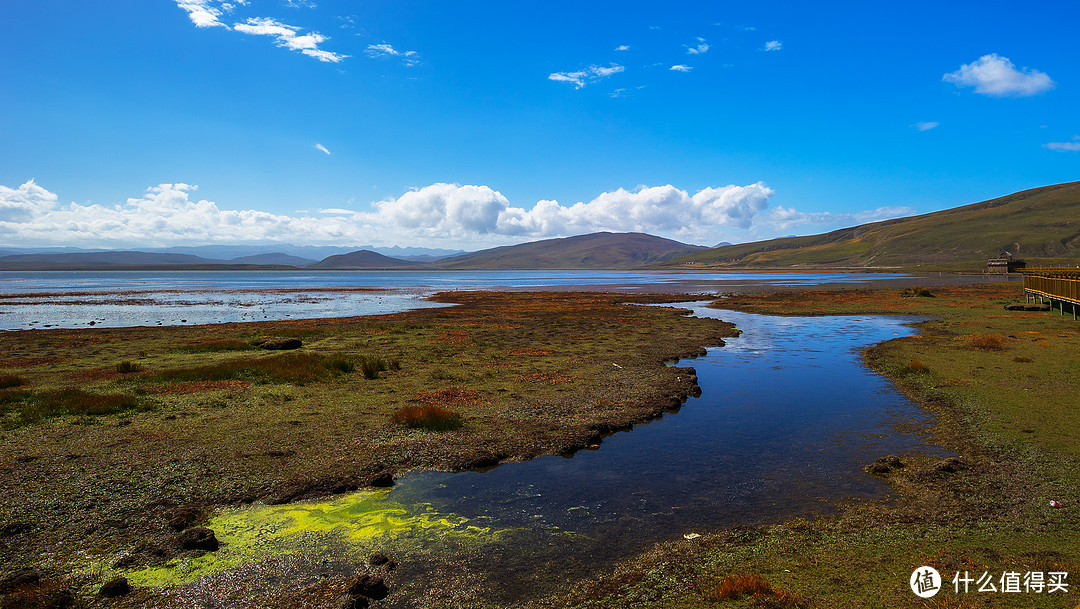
x: 73, y: 299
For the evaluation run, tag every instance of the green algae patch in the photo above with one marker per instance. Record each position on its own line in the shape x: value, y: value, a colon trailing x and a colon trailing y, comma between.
x: 365, y: 521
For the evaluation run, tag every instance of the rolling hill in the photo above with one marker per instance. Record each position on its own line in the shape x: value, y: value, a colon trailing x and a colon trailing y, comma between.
x: 362, y: 259
x: 592, y: 251
x: 1040, y: 226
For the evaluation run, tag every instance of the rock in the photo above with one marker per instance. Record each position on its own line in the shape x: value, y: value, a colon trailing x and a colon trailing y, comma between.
x: 949, y: 465
x: 368, y: 585
x: 884, y: 465
x: 382, y: 560
x: 19, y: 579
x: 383, y: 480
x: 184, y: 517
x: 1021, y: 306
x: 117, y: 586
x: 354, y: 601
x: 198, y: 538
x: 279, y: 344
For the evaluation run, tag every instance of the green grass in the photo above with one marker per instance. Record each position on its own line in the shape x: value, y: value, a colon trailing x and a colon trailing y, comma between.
x: 286, y: 368
x: 22, y: 407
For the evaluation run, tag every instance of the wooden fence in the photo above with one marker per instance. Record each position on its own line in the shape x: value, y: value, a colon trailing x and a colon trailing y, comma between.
x: 1060, y: 287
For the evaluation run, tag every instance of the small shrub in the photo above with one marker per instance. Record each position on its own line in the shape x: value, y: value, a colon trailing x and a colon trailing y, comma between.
x: 917, y: 367
x: 917, y: 291
x: 431, y: 418
x: 339, y: 363
x: 126, y: 367
x: 371, y: 366
x: 986, y: 342
x: 7, y: 381
x: 1023, y: 360
x: 395, y: 364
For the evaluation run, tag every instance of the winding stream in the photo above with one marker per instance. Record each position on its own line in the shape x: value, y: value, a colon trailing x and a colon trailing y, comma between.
x: 787, y: 418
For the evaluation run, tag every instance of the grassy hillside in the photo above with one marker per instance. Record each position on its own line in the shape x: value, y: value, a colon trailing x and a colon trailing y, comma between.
x: 593, y: 251
x: 363, y: 259
x: 1041, y: 226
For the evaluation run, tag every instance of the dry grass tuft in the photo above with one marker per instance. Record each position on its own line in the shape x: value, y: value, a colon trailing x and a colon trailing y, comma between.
x: 431, y: 418
x: 986, y: 342
x: 738, y: 585
x: 917, y: 367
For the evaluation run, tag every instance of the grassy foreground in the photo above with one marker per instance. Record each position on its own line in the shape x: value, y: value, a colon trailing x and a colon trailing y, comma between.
x: 115, y: 444
x: 1006, y: 396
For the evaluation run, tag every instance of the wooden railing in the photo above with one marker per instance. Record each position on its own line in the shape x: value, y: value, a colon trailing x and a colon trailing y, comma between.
x: 1059, y: 286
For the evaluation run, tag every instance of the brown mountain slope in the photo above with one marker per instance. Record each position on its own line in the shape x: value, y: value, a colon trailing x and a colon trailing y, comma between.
x: 1041, y: 226
x: 593, y: 251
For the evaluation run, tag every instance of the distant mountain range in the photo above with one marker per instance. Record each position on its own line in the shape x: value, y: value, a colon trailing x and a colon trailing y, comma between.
x: 594, y: 251
x: 1040, y: 226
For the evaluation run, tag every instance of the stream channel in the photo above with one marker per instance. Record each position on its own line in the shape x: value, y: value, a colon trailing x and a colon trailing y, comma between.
x: 788, y: 416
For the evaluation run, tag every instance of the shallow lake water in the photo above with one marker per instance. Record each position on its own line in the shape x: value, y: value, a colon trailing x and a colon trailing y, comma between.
x: 787, y: 418
x: 74, y: 299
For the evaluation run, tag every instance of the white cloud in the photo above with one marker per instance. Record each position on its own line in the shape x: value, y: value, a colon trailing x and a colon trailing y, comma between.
x: 623, y: 47
x: 321, y: 148
x: 1073, y: 146
x: 782, y: 219
x: 203, y: 13
x: 925, y: 125
x: 699, y: 49
x: 996, y: 76
x: 385, y: 50
x: 25, y: 202
x: 438, y: 214
x: 289, y: 36
x: 587, y: 75
x: 773, y: 45
x: 680, y: 68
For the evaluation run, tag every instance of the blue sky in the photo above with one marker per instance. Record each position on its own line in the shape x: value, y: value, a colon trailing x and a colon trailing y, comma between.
x: 182, y: 122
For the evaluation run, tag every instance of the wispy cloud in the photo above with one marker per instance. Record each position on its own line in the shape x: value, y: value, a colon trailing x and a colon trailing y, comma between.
x: 680, y: 68
x: 289, y: 36
x: 925, y: 126
x: 208, y: 13
x: 779, y: 220
x: 321, y: 148
x: 996, y: 76
x: 203, y: 13
x: 699, y: 49
x: 623, y: 47
x: 587, y: 75
x: 409, y: 58
x: 773, y: 45
x: 1073, y: 146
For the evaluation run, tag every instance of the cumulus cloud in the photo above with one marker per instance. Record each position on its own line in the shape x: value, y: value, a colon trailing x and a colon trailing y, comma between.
x: 680, y: 68
x: 25, y: 202
x: 289, y: 36
x: 925, y: 125
x: 773, y: 45
x: 623, y: 47
x: 587, y: 75
x: 996, y: 76
x: 409, y: 58
x: 321, y: 148
x: 438, y: 214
